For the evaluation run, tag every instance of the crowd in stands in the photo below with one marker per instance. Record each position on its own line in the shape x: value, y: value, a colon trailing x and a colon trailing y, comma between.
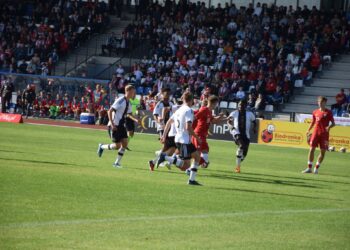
x: 35, y: 34
x: 260, y: 53
x: 342, y: 105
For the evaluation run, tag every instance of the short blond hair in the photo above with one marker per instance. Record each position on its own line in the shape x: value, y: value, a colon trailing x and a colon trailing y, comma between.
x: 129, y: 88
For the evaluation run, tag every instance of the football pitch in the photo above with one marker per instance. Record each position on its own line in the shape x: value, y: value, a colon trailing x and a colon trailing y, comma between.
x: 57, y: 194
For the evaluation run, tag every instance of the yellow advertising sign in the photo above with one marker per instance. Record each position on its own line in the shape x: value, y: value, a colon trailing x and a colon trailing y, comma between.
x: 293, y: 134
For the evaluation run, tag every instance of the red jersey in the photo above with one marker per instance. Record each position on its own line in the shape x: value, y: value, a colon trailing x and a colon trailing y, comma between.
x: 321, y: 120
x: 203, y: 119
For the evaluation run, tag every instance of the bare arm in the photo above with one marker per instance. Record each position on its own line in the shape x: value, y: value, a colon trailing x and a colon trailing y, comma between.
x: 191, y: 131
x: 166, y: 129
x: 330, y: 126
x: 133, y: 118
x: 110, y: 117
x: 311, y: 126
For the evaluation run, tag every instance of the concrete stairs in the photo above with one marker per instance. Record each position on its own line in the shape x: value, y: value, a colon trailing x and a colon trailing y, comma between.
x: 76, y: 62
x: 328, y: 84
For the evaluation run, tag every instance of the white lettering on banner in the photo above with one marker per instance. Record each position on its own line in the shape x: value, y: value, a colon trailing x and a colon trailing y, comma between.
x: 307, y: 118
x: 220, y: 129
x: 151, y: 123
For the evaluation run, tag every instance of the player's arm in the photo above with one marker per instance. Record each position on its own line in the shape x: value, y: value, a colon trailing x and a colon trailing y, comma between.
x: 191, y: 132
x: 332, y: 123
x: 156, y: 113
x: 167, y: 128
x: 110, y: 116
x: 219, y: 118
x: 130, y: 116
x: 311, y: 125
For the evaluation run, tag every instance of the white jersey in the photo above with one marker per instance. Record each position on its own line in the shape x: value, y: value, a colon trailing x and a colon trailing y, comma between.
x: 119, y: 106
x: 158, y: 111
x: 250, y: 117
x: 172, y: 131
x: 181, y: 117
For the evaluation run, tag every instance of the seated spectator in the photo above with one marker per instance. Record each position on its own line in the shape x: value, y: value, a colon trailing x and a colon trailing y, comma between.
x: 339, y: 106
x: 240, y: 95
x: 276, y: 98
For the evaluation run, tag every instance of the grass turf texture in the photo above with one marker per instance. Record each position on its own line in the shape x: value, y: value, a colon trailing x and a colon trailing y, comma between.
x: 56, y: 193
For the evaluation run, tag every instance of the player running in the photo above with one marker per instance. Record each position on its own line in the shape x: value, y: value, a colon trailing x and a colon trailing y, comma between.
x: 321, y: 117
x: 203, y: 119
x: 121, y: 109
x: 183, y: 119
x: 158, y: 111
x: 169, y: 146
x: 240, y: 122
x: 130, y: 121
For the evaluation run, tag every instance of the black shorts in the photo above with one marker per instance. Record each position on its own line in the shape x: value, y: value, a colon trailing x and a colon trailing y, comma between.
x: 186, y: 150
x: 242, y: 142
x: 169, y: 142
x: 117, y: 135
x: 129, y: 124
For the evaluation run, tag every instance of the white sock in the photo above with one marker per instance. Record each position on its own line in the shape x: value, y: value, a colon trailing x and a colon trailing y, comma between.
x: 179, y: 162
x: 239, y: 157
x: 120, y: 155
x: 193, y: 169
x: 170, y: 159
x: 109, y: 146
x: 205, y: 157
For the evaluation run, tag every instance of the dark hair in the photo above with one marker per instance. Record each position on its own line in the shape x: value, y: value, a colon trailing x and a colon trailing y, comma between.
x: 213, y: 99
x: 187, y: 97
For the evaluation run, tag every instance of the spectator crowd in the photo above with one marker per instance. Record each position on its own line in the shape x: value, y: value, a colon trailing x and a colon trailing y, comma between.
x: 259, y: 53
x: 35, y: 34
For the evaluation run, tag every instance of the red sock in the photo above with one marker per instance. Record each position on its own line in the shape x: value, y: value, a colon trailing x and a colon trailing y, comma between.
x: 317, y: 165
x: 201, y: 161
x: 309, y: 164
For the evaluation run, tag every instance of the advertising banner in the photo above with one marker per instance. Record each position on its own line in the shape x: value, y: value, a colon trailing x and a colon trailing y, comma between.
x: 217, y: 131
x: 293, y: 134
x: 15, y: 118
x: 307, y: 118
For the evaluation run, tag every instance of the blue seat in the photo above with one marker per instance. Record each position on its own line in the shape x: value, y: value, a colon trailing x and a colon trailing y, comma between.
x: 139, y: 90
x: 147, y: 90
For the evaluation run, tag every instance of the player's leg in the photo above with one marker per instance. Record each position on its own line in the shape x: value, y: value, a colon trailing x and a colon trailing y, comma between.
x: 310, y: 160
x: 112, y: 146
x: 194, y: 166
x: 323, y: 149
x: 130, y: 127
x: 239, y: 153
x: 122, y: 137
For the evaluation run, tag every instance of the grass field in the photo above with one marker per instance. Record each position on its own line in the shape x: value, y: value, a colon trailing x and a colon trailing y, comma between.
x: 57, y: 194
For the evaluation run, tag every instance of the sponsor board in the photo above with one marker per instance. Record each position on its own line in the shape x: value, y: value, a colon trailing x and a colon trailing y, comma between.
x: 292, y: 134
x: 15, y: 118
x: 307, y: 118
x: 217, y: 131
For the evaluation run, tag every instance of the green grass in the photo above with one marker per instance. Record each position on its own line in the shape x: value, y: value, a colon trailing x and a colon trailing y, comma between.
x: 55, y: 193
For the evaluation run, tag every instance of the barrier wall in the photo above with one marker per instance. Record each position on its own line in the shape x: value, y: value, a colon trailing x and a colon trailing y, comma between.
x: 217, y: 131
x: 292, y: 134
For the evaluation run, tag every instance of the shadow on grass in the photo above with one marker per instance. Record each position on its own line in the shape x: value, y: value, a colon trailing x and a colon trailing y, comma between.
x: 45, y: 162
x: 272, y: 193
x: 242, y: 177
x: 297, y: 178
x: 12, y: 151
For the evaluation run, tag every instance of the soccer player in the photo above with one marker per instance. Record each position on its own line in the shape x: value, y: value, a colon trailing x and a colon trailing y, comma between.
x: 158, y: 111
x: 121, y: 109
x: 130, y: 120
x: 183, y: 119
x: 324, y: 121
x: 203, y: 119
x: 169, y: 146
x: 240, y: 122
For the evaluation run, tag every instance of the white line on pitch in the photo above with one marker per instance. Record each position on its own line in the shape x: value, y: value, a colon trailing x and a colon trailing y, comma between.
x: 169, y: 217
